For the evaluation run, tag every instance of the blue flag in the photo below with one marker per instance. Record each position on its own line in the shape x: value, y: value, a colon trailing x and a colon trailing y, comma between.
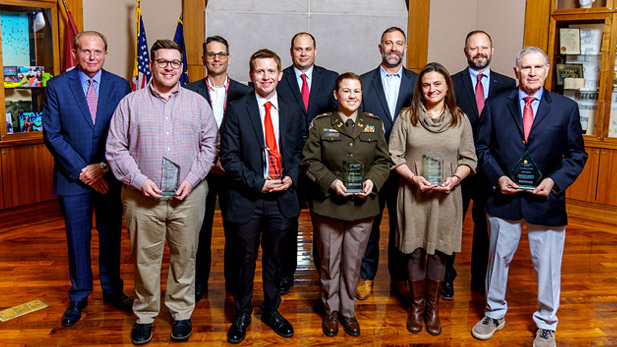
x: 179, y: 40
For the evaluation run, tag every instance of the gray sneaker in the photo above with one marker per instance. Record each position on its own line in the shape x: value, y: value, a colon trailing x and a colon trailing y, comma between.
x: 544, y: 338
x: 484, y: 329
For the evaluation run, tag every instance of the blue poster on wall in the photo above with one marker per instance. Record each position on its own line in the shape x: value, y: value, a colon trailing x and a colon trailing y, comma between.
x: 15, y: 38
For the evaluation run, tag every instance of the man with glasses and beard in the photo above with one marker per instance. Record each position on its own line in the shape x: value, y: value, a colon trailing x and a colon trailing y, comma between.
x: 470, y: 97
x: 386, y: 90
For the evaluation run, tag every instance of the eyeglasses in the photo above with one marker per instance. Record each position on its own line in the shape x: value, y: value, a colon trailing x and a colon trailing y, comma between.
x: 162, y: 63
x: 221, y: 55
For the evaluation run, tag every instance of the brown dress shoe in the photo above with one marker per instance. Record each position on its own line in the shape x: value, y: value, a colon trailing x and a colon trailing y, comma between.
x: 416, y: 310
x: 365, y: 288
x: 431, y: 312
x: 330, y: 324
x: 350, y: 325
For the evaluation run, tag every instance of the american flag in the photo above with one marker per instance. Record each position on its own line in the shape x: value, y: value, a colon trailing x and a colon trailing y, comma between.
x: 141, y: 66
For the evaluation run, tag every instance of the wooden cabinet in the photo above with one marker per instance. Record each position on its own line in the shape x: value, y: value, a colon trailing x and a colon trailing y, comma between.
x: 30, y: 56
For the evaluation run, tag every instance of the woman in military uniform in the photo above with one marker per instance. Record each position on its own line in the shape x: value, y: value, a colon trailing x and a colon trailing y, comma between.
x: 432, y: 149
x: 346, y: 157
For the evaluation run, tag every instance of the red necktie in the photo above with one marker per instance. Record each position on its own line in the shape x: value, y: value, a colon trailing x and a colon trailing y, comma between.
x: 274, y: 158
x: 92, y: 101
x: 480, y: 94
x: 527, y: 115
x: 305, y: 91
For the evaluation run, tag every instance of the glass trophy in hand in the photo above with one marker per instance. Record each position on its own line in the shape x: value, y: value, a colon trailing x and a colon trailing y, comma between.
x: 170, y: 177
x: 433, y: 168
x: 353, y: 176
x: 274, y: 167
x: 525, y: 173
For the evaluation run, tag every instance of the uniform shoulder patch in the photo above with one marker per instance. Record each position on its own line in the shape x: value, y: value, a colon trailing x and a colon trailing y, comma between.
x: 371, y: 115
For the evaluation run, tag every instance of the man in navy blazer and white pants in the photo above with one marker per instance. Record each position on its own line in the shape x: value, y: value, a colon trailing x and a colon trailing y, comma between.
x: 547, y: 125
x: 76, y: 114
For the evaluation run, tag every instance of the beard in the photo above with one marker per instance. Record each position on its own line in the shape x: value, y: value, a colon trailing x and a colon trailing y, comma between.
x: 478, y: 66
x: 391, y: 61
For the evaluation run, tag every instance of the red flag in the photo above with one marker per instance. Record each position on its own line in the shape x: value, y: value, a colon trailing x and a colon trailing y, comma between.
x: 69, y: 34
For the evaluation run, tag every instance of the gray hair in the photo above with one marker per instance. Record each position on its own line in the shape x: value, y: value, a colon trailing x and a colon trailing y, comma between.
x: 528, y: 50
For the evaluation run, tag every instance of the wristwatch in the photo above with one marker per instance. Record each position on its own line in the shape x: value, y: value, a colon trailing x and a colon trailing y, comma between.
x: 104, y: 166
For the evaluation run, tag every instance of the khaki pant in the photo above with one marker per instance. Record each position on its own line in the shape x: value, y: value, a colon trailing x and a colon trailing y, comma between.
x: 150, y: 222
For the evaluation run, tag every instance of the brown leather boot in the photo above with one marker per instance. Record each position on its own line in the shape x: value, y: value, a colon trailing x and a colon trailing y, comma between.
x: 431, y: 313
x: 416, y: 309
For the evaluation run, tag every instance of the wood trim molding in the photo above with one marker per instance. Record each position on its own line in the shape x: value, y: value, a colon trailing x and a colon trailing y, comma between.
x: 194, y: 36
x: 418, y: 19
x: 537, y: 22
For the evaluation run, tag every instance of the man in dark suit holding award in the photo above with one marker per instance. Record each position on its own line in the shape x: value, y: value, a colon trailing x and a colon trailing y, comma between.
x: 78, y: 107
x: 312, y: 87
x: 386, y: 90
x: 260, y: 151
x: 472, y: 86
x: 219, y: 90
x: 531, y: 148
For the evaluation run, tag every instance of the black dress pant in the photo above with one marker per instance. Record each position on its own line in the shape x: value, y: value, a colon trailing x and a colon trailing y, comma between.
x: 476, y: 188
x: 216, y: 186
x: 397, y: 261
x: 268, y: 227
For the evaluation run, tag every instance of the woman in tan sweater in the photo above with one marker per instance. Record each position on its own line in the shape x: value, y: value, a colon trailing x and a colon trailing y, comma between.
x: 429, y: 203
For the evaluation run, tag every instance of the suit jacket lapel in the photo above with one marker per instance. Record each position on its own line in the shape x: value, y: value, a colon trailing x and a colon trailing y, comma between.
x: 104, y: 95
x: 381, y: 94
x: 252, y: 108
x: 543, y: 109
x: 406, y: 85
x: 290, y: 79
x: 283, y: 114
x: 471, y: 93
x: 80, y: 98
x: 358, y: 125
x: 515, y: 111
x: 203, y: 90
x: 315, y: 86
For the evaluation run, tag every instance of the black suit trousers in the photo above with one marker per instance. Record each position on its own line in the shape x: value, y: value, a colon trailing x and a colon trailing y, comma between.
x: 270, y: 227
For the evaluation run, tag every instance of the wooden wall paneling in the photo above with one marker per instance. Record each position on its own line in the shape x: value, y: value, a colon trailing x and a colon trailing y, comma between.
x: 584, y: 188
x: 26, y: 175
x: 537, y: 20
x: 1, y: 184
x: 76, y: 8
x: 194, y: 13
x: 607, y: 177
x: 417, y: 34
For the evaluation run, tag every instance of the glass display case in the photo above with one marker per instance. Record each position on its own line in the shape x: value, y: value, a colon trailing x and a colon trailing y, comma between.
x: 27, y: 64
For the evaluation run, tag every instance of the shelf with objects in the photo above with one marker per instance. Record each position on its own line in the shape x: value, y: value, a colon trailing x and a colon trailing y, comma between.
x: 29, y: 55
x: 581, y: 46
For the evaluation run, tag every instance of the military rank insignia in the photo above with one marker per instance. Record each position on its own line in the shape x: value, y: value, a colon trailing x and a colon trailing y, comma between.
x: 369, y: 129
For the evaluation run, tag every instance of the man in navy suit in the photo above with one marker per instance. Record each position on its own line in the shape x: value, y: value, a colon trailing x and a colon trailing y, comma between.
x: 260, y: 151
x: 386, y: 90
x: 76, y: 115
x: 219, y: 90
x: 546, y: 125
x: 470, y: 97
x: 312, y: 87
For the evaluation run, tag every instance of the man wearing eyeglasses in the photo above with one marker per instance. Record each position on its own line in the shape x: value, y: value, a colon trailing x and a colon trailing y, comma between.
x: 161, y: 145
x: 218, y: 90
x: 78, y: 107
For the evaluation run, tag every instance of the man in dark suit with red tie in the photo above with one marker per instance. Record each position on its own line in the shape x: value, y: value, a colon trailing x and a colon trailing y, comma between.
x: 312, y: 87
x: 260, y: 151
x: 470, y: 97
x: 541, y: 129
x: 219, y: 90
x: 386, y: 90
x: 76, y: 114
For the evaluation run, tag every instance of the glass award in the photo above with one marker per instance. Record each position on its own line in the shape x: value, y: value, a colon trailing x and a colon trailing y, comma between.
x: 273, y: 159
x: 433, y: 168
x: 170, y: 177
x: 353, y: 176
x: 526, y: 173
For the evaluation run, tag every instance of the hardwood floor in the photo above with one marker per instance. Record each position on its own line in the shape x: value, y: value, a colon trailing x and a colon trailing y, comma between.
x: 33, y: 264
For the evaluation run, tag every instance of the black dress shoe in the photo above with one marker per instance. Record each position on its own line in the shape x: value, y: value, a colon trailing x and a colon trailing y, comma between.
x: 279, y: 324
x: 237, y: 331
x: 285, y: 285
x: 141, y: 334
x: 120, y: 301
x: 447, y: 291
x: 73, y: 312
x: 181, y: 330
